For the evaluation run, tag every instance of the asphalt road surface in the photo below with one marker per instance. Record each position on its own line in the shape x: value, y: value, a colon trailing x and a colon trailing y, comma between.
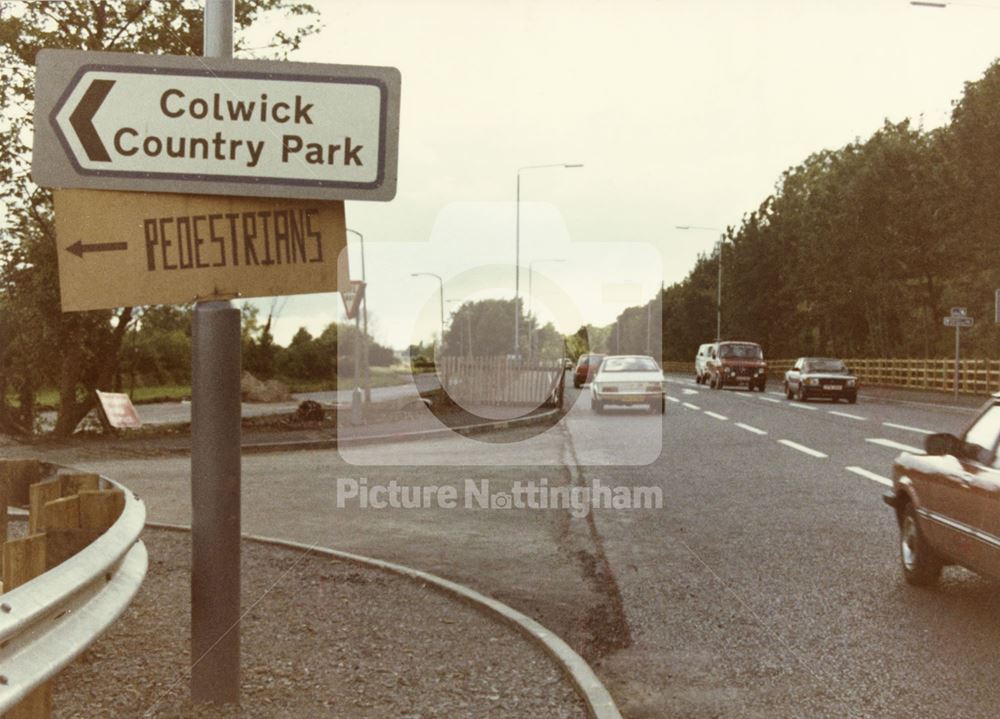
x: 766, y: 586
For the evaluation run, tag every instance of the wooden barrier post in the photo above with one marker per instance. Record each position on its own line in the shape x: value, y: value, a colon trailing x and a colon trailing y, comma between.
x: 23, y: 560
x: 18, y: 475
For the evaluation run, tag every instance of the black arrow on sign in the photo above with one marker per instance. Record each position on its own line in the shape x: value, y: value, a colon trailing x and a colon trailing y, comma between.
x: 78, y: 248
x: 83, y: 116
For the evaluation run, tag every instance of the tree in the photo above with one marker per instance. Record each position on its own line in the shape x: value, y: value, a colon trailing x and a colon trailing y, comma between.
x: 79, y: 352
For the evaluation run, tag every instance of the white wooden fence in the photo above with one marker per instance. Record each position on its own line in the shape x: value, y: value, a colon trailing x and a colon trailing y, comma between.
x: 501, y: 380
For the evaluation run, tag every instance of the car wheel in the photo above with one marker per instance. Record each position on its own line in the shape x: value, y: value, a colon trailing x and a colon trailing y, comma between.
x: 921, y: 567
x: 852, y: 399
x: 720, y: 382
x: 576, y: 384
x: 596, y: 405
x: 788, y: 391
x: 663, y: 404
x: 697, y: 379
x: 800, y: 393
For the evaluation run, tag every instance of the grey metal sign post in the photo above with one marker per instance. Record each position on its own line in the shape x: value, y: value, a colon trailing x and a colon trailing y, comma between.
x: 958, y: 319
x: 215, y: 467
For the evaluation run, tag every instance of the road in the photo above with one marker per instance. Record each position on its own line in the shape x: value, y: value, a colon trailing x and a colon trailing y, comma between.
x: 765, y: 586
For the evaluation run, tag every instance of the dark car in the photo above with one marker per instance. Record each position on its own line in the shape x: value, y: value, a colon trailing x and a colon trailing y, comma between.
x: 738, y: 364
x: 947, y: 501
x: 812, y: 377
x: 586, y: 368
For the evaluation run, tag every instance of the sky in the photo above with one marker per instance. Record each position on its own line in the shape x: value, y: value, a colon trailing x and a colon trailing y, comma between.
x: 681, y: 113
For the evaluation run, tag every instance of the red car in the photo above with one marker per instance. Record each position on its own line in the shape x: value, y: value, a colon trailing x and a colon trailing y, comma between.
x: 947, y: 501
x: 586, y: 368
x: 736, y: 364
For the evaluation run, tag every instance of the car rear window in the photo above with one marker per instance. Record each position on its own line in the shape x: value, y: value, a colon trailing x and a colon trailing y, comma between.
x: 629, y: 364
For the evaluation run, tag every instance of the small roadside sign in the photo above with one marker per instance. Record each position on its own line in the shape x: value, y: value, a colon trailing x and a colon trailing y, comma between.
x: 352, y: 297
x: 958, y: 321
x: 119, y: 249
x: 199, y: 125
x: 119, y: 410
x: 959, y: 312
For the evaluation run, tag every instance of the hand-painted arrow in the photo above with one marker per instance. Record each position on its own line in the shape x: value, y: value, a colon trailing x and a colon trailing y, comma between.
x: 78, y: 248
x: 83, y: 117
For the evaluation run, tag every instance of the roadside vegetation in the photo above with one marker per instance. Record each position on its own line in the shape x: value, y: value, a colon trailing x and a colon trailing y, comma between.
x: 40, y: 347
x: 860, y: 251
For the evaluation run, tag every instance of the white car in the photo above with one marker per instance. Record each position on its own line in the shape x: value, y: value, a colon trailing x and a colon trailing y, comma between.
x: 628, y: 380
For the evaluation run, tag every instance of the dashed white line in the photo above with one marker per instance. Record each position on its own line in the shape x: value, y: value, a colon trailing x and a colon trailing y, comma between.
x: 717, y: 416
x: 908, y: 428
x: 691, y: 406
x: 778, y: 394
x: 894, y: 445
x: 672, y: 399
x: 799, y: 405
x: 748, y: 428
x: 848, y: 415
x: 802, y: 448
x: 689, y: 391
x: 768, y: 399
x: 870, y: 475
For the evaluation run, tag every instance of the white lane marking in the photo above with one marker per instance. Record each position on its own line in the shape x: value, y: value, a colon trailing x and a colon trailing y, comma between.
x: 848, y: 415
x: 894, y: 445
x: 717, y: 416
x: 802, y: 448
x: 689, y: 391
x: 743, y: 395
x: 748, y: 428
x: 779, y: 394
x: 691, y: 406
x: 908, y: 428
x: 672, y: 399
x: 799, y: 405
x: 768, y: 399
x: 870, y: 475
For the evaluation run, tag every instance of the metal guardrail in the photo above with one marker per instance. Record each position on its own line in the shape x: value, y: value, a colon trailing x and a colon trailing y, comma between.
x: 49, y: 621
x: 975, y: 376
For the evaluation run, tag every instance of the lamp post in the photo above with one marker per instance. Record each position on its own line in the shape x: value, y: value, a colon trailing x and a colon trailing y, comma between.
x: 531, y: 275
x: 517, y: 244
x: 364, y: 315
x: 441, y: 298
x: 718, y: 299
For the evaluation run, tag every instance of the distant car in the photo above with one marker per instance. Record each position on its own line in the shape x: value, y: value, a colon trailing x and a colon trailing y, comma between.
x: 737, y: 363
x: 701, y: 362
x: 947, y: 501
x: 813, y: 377
x: 586, y: 368
x: 628, y: 380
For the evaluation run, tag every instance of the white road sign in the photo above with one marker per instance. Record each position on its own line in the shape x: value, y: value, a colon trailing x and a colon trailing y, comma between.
x: 212, y: 126
x: 958, y: 321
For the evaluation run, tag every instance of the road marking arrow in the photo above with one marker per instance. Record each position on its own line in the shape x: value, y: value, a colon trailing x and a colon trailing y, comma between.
x: 82, y: 120
x: 78, y: 248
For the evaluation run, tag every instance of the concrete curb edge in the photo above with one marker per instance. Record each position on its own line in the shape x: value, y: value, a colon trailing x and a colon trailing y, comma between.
x: 464, y: 430
x: 595, y: 695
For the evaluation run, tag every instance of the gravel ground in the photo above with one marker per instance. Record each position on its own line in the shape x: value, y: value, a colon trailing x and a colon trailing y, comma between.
x: 324, y: 639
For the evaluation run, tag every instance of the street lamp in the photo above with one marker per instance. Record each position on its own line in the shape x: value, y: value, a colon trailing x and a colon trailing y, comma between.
x: 517, y: 244
x: 531, y: 275
x: 364, y: 310
x: 441, y: 298
x: 718, y: 299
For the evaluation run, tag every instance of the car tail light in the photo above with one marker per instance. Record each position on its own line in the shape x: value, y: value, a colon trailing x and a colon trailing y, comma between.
x: 654, y: 388
x: 609, y: 388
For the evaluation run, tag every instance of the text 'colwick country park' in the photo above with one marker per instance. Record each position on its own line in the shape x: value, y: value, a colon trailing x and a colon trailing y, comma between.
x: 175, y: 104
